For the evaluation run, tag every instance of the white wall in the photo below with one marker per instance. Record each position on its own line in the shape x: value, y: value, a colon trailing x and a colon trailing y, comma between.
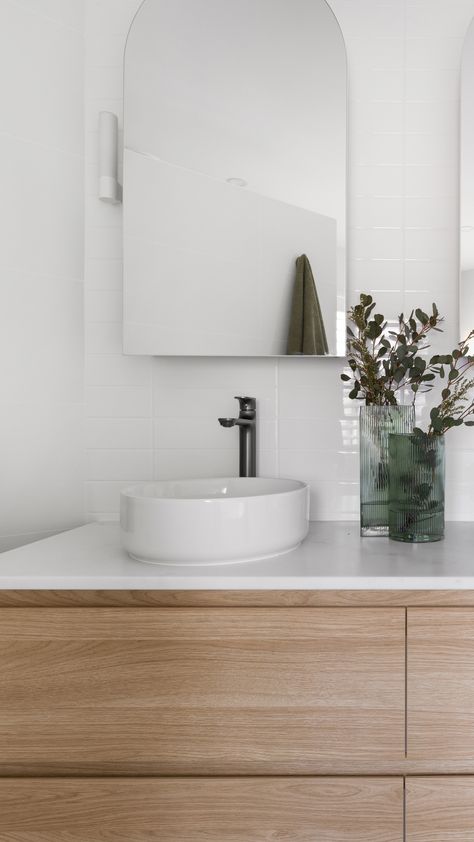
x: 157, y: 417
x: 41, y: 268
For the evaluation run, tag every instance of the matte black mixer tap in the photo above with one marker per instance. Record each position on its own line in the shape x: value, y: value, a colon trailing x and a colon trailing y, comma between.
x: 247, y: 424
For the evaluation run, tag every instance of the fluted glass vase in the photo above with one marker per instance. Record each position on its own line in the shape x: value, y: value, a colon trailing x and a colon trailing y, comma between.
x: 416, y: 496
x: 376, y: 423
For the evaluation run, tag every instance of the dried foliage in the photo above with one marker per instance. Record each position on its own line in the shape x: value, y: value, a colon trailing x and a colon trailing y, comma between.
x: 457, y: 404
x: 384, y: 362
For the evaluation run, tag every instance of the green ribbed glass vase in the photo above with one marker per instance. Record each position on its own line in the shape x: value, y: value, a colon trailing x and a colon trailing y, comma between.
x: 376, y: 423
x: 416, y: 496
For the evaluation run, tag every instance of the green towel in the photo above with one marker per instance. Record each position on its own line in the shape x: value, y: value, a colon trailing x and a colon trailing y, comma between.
x: 306, y: 334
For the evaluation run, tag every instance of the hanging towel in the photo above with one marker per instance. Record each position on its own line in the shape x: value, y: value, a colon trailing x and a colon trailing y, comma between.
x: 306, y: 334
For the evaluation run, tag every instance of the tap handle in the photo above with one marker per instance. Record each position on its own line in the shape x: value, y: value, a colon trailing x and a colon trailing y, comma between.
x: 246, y: 404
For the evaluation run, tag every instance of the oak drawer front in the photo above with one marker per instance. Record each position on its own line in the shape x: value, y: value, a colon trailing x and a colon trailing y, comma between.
x: 201, y: 691
x: 440, y: 809
x: 440, y: 685
x: 202, y: 810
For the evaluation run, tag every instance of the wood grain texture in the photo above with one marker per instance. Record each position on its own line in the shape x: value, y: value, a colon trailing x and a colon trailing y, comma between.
x: 191, y: 691
x: 200, y: 810
x: 231, y: 598
x: 440, y: 684
x: 440, y: 809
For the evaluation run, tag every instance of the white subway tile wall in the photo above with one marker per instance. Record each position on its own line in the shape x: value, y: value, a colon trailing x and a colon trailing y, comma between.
x: 157, y: 417
x: 41, y: 268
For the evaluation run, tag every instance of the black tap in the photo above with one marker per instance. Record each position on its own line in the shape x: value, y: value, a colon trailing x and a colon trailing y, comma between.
x: 247, y: 424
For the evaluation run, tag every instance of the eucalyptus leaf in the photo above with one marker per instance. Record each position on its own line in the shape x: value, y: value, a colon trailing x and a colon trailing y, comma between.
x: 421, y: 316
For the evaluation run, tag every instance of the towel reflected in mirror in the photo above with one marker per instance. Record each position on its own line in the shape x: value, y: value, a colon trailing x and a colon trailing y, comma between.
x: 306, y: 333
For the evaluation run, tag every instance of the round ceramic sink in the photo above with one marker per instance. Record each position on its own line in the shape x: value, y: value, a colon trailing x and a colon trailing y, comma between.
x: 213, y: 521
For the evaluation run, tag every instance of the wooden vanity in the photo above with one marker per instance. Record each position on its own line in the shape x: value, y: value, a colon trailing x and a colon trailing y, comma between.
x: 232, y: 715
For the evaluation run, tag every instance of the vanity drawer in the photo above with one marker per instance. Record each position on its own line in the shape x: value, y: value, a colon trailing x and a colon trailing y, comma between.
x: 440, y: 686
x: 201, y: 691
x: 440, y: 809
x: 202, y: 810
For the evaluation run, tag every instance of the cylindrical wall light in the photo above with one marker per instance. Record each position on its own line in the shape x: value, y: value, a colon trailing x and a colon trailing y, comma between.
x: 109, y: 187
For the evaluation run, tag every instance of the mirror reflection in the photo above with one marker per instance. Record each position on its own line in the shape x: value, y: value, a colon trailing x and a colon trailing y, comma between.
x: 466, y: 286
x: 234, y: 171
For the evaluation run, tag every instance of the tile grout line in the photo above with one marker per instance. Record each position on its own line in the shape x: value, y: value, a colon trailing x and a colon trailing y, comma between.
x: 277, y: 417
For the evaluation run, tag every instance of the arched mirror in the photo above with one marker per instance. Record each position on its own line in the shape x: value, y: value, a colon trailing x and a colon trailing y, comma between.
x: 466, y: 284
x: 234, y: 166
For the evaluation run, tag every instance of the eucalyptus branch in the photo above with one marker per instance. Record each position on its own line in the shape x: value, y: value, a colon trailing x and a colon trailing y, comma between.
x: 457, y: 406
x: 384, y: 362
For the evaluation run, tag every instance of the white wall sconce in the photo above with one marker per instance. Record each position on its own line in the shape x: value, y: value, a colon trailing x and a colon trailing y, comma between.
x: 109, y: 188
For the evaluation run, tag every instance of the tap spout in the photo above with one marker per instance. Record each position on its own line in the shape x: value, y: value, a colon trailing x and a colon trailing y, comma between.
x: 227, y: 422
x: 236, y: 422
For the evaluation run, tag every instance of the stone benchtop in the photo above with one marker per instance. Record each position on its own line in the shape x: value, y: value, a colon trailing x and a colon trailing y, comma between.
x: 333, y: 557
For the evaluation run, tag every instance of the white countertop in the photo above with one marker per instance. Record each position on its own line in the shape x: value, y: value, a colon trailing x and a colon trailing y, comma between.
x: 333, y: 556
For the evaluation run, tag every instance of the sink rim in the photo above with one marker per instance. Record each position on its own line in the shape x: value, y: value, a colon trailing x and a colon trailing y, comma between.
x: 135, y: 491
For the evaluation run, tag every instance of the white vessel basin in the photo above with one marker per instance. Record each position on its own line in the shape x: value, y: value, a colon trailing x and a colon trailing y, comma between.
x: 213, y: 521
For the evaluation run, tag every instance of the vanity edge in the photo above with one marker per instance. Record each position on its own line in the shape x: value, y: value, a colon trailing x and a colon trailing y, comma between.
x: 44, y: 598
